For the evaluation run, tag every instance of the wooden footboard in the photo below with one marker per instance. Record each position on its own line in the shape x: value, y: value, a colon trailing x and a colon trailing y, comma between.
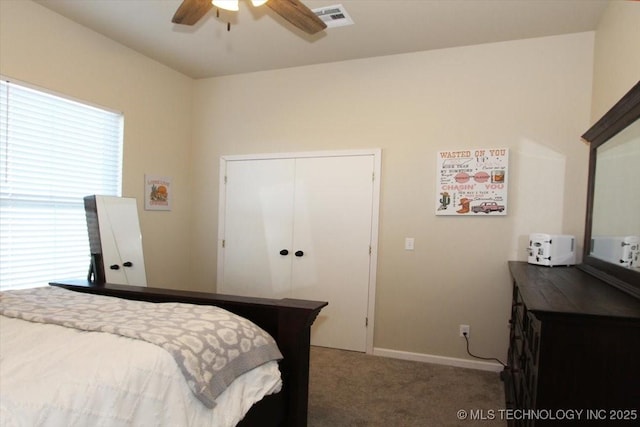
x: 287, y: 320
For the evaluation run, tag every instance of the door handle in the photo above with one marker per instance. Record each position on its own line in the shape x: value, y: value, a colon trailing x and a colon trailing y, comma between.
x: 284, y: 252
x: 299, y: 253
x: 128, y: 264
x: 114, y: 267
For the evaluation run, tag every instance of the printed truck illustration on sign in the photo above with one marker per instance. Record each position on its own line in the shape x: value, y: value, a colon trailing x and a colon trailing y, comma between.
x: 487, y: 207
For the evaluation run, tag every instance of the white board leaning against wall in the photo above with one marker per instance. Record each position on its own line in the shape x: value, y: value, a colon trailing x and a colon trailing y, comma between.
x: 115, y: 240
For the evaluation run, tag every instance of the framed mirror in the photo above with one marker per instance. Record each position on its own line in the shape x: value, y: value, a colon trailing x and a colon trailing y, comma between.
x: 612, y: 233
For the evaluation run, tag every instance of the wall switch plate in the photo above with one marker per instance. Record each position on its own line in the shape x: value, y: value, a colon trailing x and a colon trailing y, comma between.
x: 409, y: 243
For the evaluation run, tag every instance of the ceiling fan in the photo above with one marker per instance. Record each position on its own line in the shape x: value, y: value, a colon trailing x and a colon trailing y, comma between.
x: 296, y: 13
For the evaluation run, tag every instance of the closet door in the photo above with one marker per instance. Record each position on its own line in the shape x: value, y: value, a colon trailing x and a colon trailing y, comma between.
x: 332, y: 223
x: 258, y: 228
x: 301, y: 228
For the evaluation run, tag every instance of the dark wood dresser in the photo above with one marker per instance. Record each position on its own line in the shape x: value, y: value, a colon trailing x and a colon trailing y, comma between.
x: 574, y: 350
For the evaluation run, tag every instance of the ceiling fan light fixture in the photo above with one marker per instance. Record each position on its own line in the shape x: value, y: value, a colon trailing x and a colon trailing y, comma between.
x: 294, y: 11
x: 226, y: 4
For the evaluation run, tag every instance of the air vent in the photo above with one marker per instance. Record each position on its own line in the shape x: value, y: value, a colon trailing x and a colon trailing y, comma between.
x: 334, y: 16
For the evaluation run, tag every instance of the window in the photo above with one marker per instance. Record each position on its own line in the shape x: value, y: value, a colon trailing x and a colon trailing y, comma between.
x: 53, y: 152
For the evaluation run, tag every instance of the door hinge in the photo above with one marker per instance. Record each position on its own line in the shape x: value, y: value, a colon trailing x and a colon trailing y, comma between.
x: 366, y: 322
x: 223, y: 242
x: 373, y: 176
x: 370, y: 250
x: 225, y: 179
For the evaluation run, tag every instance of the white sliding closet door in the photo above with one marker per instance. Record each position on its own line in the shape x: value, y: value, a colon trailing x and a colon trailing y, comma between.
x: 302, y: 228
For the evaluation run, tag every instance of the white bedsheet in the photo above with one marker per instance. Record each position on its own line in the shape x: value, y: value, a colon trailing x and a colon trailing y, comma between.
x: 56, y: 376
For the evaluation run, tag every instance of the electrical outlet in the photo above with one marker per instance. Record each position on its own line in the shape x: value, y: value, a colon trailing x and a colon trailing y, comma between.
x: 464, y: 329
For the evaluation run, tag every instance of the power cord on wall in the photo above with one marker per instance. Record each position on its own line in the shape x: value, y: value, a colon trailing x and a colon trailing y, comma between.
x: 466, y: 337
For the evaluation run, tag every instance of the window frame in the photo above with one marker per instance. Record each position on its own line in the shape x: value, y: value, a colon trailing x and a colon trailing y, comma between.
x: 27, y: 259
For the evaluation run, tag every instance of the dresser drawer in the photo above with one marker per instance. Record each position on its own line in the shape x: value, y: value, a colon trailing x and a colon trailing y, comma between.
x: 532, y: 337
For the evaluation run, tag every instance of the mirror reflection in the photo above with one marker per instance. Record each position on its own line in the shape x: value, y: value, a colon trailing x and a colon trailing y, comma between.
x: 615, y: 233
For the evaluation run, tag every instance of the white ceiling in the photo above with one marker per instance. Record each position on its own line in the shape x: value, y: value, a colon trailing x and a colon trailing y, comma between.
x: 260, y: 40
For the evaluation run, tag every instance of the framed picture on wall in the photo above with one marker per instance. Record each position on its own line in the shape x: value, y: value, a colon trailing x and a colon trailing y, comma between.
x: 157, y: 193
x: 472, y: 182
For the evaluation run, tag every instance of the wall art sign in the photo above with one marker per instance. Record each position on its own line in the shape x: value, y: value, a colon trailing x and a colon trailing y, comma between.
x: 472, y: 182
x: 157, y: 193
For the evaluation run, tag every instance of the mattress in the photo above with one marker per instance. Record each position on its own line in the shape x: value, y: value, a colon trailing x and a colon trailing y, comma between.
x: 56, y: 376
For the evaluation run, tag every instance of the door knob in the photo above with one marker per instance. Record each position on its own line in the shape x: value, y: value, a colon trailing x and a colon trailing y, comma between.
x: 284, y: 252
x: 299, y: 253
x: 114, y: 267
x: 128, y: 264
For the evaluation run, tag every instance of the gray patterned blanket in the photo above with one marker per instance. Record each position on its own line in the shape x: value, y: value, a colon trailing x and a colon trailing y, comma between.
x: 211, y: 346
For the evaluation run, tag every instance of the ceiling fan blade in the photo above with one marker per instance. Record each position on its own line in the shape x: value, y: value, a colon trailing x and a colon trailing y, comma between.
x: 190, y: 11
x: 297, y: 14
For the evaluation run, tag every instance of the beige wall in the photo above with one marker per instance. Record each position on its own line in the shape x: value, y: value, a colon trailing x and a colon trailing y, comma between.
x: 44, y: 49
x: 531, y: 96
x: 617, y: 55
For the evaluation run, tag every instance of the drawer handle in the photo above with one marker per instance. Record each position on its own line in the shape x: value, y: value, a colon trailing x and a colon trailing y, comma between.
x: 284, y: 252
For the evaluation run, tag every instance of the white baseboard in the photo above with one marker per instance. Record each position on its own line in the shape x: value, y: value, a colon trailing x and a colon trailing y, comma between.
x: 440, y: 360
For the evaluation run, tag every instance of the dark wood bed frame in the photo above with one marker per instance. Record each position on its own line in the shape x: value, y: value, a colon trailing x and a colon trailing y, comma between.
x: 287, y: 320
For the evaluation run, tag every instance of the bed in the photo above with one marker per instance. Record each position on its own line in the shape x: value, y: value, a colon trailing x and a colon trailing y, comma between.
x: 142, y: 381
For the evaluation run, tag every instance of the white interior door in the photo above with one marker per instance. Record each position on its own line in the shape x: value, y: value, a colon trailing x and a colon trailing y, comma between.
x: 121, y: 240
x: 258, y: 225
x: 322, y: 206
x: 332, y: 222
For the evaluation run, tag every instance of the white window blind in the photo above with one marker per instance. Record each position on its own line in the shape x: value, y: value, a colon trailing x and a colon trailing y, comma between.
x: 53, y: 152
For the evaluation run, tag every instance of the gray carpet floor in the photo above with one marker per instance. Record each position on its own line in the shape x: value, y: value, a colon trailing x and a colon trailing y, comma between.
x: 354, y: 389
